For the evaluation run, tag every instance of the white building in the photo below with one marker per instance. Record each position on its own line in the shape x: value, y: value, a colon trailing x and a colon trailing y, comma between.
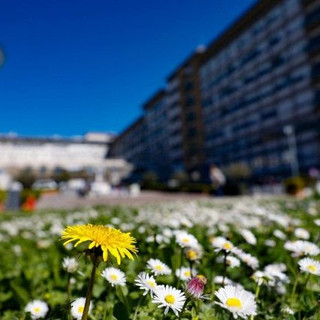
x: 72, y: 154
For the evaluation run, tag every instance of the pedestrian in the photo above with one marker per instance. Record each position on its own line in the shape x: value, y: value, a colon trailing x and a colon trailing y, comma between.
x: 218, y: 179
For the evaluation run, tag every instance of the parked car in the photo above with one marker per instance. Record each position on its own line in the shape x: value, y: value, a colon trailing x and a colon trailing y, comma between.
x: 45, y: 184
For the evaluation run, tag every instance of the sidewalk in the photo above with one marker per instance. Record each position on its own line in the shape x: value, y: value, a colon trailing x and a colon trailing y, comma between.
x: 60, y: 201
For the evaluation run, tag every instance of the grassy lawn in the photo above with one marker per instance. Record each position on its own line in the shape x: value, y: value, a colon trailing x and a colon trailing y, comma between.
x: 253, y: 245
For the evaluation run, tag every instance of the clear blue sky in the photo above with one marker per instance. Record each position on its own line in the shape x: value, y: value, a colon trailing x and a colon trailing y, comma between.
x: 73, y: 66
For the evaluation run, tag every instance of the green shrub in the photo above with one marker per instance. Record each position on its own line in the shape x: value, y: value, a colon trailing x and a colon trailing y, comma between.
x: 3, y: 196
x: 294, y: 185
x: 25, y: 193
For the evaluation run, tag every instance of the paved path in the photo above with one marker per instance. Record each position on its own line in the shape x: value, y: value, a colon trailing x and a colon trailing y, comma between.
x: 60, y: 201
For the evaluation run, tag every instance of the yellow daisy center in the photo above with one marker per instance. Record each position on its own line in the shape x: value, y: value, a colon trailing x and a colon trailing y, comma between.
x: 312, y: 268
x: 158, y: 267
x: 113, y: 277
x: 191, y: 254
x: 234, y: 303
x: 151, y: 284
x: 187, y: 273
x: 80, y: 309
x: 36, y: 309
x: 185, y: 240
x: 227, y: 246
x: 170, y: 298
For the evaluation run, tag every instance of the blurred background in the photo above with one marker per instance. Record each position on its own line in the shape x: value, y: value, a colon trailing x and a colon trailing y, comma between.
x: 105, y: 99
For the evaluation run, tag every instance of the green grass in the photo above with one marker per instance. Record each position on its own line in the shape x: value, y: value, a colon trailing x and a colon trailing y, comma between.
x: 31, y: 257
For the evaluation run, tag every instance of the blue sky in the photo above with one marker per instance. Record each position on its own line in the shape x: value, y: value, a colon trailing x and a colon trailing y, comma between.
x: 76, y: 66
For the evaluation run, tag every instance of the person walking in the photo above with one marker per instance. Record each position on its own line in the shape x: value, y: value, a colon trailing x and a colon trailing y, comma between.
x: 218, y: 179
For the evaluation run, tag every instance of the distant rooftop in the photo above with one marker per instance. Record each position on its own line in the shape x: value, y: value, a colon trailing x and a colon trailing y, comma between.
x: 89, y: 137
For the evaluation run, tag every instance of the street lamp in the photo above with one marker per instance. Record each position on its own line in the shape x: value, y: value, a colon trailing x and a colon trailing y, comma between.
x: 292, y: 144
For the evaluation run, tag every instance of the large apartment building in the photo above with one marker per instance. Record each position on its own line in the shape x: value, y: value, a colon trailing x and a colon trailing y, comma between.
x: 257, y: 78
x: 184, y: 102
x: 157, y: 148
x: 131, y: 145
x: 228, y: 104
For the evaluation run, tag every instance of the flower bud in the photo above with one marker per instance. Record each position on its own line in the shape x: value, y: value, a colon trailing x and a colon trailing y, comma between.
x: 196, y: 285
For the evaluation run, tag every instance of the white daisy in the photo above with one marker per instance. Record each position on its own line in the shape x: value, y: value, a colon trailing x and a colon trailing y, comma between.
x: 221, y: 243
x: 158, y: 267
x: 233, y: 262
x: 276, y: 271
x: 249, y: 236
x: 167, y: 233
x: 270, y: 243
x: 17, y: 250
x: 279, y: 234
x: 237, y: 300
x: 281, y: 289
x: 77, y: 307
x: 302, y: 233
x: 261, y: 277
x: 37, y: 308
x: 247, y: 258
x: 310, y: 266
x: 146, y: 282
x: 194, y: 254
x: 185, y: 273
x: 169, y: 298
x: 114, y: 276
x: 317, y: 222
x: 70, y: 264
x: 287, y: 310
x: 160, y: 238
x: 186, y: 240
x: 301, y: 247
x: 219, y: 280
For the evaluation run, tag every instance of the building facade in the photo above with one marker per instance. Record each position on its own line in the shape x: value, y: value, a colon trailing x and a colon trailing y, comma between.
x: 156, y: 117
x: 131, y: 145
x: 229, y: 104
x: 258, y: 78
x: 186, y: 125
x: 47, y: 155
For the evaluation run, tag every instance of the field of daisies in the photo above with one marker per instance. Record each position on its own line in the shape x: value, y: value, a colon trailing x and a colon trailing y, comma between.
x: 235, y: 258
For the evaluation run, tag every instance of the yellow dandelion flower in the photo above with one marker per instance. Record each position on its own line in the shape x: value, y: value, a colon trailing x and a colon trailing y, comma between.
x: 110, y: 240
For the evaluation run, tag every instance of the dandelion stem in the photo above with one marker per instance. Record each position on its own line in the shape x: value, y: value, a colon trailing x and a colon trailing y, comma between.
x: 105, y: 310
x: 69, y: 294
x: 183, y: 308
x: 138, y: 307
x: 95, y: 261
